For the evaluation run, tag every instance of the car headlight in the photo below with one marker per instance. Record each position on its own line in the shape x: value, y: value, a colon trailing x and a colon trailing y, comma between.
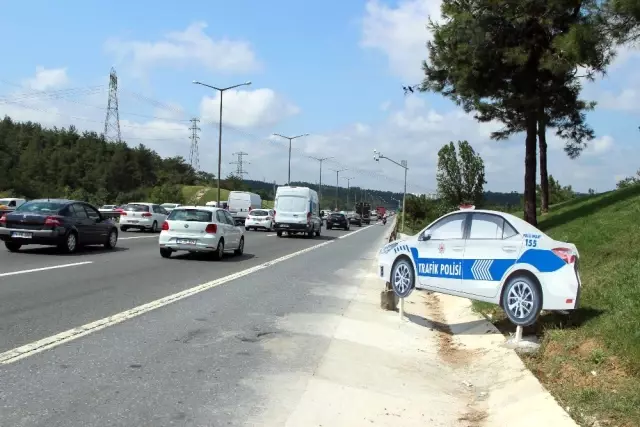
x: 388, y: 248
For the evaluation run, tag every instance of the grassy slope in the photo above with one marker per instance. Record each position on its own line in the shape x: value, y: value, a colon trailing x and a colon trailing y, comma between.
x: 590, y: 360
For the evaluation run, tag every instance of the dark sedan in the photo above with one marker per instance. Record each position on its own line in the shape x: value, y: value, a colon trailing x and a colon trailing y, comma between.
x: 337, y: 220
x: 355, y: 219
x: 67, y: 224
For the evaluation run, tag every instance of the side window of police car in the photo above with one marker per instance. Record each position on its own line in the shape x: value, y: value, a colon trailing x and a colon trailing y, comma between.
x: 449, y: 228
x: 490, y: 227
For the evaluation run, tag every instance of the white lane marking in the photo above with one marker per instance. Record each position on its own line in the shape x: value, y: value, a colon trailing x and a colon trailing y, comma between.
x: 352, y: 233
x: 33, y: 270
x: 269, y: 235
x: 138, y: 237
x: 75, y: 333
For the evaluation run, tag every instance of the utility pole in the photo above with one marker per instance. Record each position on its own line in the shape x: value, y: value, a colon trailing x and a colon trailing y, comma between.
x: 112, y: 120
x: 337, y: 171
x: 320, y: 160
x: 274, y: 191
x: 290, y: 138
x: 403, y: 164
x: 194, y: 157
x: 240, y: 163
x: 221, y: 90
x: 348, y: 188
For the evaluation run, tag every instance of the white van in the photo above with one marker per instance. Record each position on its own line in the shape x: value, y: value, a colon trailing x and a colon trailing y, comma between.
x: 297, y: 211
x: 241, y: 202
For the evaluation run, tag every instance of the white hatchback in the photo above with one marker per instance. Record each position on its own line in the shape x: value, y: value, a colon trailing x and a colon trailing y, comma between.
x: 200, y: 229
x: 142, y: 216
x: 259, y: 218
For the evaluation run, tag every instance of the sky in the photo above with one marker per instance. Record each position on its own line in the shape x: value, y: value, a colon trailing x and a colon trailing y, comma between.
x: 332, y: 69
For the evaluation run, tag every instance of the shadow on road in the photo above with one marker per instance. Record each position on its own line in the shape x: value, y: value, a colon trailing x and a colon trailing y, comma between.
x: 228, y: 257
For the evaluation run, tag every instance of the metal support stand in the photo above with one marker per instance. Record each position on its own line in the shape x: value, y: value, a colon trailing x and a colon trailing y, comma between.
x: 401, y: 308
x: 518, y: 337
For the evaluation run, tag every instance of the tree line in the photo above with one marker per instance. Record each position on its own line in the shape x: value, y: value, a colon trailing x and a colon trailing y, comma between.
x: 519, y: 63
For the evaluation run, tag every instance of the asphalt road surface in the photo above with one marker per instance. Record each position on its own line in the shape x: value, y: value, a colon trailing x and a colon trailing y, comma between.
x: 207, y: 359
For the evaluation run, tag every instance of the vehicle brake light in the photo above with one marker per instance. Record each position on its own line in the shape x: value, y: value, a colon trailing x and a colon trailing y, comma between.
x: 122, y: 213
x: 211, y: 229
x: 52, y: 221
x: 565, y: 254
x: 165, y: 226
x: 3, y: 219
x: 146, y: 214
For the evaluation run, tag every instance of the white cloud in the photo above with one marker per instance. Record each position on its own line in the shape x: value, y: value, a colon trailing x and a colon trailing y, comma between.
x: 248, y: 108
x: 191, y: 47
x: 400, y: 33
x: 47, y: 79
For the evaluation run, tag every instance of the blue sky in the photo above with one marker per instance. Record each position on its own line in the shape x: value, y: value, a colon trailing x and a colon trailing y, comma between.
x: 332, y: 69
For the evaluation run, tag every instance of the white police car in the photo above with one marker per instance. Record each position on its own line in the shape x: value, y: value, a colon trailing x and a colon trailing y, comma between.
x: 487, y: 256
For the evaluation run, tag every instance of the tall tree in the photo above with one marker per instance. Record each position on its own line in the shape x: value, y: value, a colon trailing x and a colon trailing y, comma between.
x: 494, y: 57
x: 460, y: 175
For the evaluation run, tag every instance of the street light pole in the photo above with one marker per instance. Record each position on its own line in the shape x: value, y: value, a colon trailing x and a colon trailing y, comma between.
x: 338, y: 182
x: 290, y: 138
x: 320, y: 160
x: 348, y: 188
x: 221, y: 90
x: 403, y: 164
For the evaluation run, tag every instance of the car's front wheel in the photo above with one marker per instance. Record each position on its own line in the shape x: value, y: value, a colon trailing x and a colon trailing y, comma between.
x: 522, y: 300
x: 403, y: 277
x: 12, y: 246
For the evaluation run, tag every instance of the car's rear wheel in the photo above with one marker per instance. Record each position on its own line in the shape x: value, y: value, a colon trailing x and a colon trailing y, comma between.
x: 12, y: 246
x: 240, y: 249
x: 112, y: 239
x: 165, y: 253
x: 70, y: 244
x: 522, y: 300
x: 279, y: 233
x: 154, y: 227
x: 219, y: 253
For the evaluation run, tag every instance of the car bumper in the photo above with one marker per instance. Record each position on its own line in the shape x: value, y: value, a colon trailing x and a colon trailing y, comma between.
x: 260, y: 224
x: 202, y: 244
x: 279, y: 226
x: 38, y: 237
x: 337, y: 224
x: 138, y: 222
x: 561, y: 289
x: 384, y: 270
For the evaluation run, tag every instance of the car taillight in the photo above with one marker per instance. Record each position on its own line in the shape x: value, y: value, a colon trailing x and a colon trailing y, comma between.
x: 3, y: 220
x: 165, y: 226
x: 565, y: 254
x: 52, y: 221
x: 146, y: 214
x: 211, y: 229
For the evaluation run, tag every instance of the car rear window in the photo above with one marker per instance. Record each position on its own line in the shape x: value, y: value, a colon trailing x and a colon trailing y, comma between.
x: 135, y: 208
x: 40, y: 207
x: 291, y: 204
x: 196, y: 215
x: 336, y: 215
x: 258, y: 212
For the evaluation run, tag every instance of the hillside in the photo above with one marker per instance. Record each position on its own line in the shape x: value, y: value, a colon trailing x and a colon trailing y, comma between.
x: 590, y: 359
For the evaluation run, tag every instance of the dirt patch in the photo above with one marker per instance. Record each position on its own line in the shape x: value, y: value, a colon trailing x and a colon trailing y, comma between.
x: 473, y: 418
x: 448, y: 350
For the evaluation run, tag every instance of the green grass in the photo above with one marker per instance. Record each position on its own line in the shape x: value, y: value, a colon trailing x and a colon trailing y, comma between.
x: 267, y: 204
x: 189, y: 191
x: 603, y: 335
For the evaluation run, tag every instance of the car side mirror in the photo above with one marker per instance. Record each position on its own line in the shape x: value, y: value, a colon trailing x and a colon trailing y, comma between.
x: 426, y: 235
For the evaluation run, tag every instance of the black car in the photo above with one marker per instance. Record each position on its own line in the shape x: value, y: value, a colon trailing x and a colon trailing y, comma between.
x: 337, y: 220
x: 67, y: 224
x: 355, y: 219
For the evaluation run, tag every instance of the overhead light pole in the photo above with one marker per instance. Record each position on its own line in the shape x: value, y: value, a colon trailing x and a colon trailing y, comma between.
x: 337, y: 171
x: 348, y: 188
x: 221, y: 90
x: 290, y: 138
x: 403, y: 164
x: 320, y: 160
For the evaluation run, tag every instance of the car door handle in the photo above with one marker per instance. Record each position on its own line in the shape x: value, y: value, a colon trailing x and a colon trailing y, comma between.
x: 509, y: 248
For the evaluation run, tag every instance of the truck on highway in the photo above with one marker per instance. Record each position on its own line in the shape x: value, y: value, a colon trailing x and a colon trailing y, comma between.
x: 381, y: 210
x: 363, y: 209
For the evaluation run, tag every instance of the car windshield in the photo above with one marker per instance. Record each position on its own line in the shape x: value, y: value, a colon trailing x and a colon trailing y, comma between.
x: 259, y: 212
x: 40, y: 207
x: 291, y: 204
x: 135, y: 208
x: 196, y: 215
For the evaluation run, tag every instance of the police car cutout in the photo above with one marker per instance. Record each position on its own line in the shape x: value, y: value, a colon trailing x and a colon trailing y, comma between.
x: 488, y: 256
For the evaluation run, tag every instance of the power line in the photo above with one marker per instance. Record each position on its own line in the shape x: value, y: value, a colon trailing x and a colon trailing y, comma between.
x: 240, y: 163
x: 112, y: 120
x: 194, y: 157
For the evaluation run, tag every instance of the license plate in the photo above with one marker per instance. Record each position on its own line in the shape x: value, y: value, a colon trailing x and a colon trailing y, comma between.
x: 133, y: 221
x: 21, y: 235
x: 185, y: 242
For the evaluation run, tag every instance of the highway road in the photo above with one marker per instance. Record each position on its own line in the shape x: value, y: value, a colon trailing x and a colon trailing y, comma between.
x: 209, y: 348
